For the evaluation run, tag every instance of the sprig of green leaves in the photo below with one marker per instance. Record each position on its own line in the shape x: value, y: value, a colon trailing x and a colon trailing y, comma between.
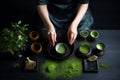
x: 13, y: 39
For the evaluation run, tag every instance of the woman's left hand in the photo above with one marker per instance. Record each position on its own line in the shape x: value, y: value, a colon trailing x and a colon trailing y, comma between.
x: 72, y: 34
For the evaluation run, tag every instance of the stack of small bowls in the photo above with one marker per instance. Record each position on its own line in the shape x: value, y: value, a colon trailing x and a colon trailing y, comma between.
x: 36, y: 47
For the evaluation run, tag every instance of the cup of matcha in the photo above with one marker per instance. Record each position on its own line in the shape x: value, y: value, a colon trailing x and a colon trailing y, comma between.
x: 84, y: 33
x: 100, y: 46
x: 99, y: 50
x: 61, y: 48
x: 84, y: 50
x: 94, y: 34
x: 34, y: 35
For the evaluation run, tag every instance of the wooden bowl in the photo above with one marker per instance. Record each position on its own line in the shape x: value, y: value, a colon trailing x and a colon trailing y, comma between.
x: 36, y: 48
x: 34, y: 35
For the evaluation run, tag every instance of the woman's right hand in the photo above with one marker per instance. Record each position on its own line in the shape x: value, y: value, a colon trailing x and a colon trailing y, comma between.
x: 52, y: 36
x: 43, y: 13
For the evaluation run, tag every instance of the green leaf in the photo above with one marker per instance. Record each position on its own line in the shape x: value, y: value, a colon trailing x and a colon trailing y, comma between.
x: 104, y: 65
x: 12, y: 24
x: 16, y: 65
x: 19, y: 22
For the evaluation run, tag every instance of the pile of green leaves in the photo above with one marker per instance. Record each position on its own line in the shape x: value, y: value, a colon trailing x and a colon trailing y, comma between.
x: 14, y: 38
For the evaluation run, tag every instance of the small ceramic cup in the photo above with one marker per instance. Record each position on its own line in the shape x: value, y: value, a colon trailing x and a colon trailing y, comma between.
x: 34, y: 35
x: 99, y: 50
x: 94, y: 34
x: 84, y: 33
x: 36, y: 48
x: 84, y: 50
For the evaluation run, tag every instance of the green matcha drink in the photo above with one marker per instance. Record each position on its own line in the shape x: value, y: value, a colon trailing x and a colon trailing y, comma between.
x: 84, y: 33
x: 61, y: 48
x: 84, y: 49
x: 94, y: 34
x: 100, y: 46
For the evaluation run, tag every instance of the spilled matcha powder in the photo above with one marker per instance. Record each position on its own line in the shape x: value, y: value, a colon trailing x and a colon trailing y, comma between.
x: 49, y: 69
x: 64, y: 69
x: 71, y: 68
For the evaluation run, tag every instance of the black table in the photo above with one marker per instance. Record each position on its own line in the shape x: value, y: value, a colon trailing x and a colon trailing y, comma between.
x: 111, y: 40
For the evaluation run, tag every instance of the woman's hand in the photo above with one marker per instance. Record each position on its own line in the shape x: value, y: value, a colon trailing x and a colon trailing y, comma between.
x: 72, y: 34
x: 72, y: 31
x: 43, y: 13
x: 52, y: 36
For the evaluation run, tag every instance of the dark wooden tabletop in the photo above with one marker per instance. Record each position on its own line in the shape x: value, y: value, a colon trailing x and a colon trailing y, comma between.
x: 111, y: 40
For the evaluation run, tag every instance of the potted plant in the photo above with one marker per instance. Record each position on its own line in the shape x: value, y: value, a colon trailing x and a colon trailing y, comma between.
x: 13, y: 39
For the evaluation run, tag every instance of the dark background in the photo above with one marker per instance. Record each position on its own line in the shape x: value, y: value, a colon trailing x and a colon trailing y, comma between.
x: 106, y: 13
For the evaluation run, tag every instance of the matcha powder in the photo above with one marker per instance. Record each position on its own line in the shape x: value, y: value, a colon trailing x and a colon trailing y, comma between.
x: 69, y: 68
x: 49, y: 69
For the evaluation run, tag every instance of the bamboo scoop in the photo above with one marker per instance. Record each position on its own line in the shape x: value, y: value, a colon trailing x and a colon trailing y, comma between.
x: 30, y: 64
x: 92, y: 58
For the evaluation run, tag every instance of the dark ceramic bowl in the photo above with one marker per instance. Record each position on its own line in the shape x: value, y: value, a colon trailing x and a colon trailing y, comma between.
x: 60, y: 55
x: 100, y: 46
x: 84, y: 50
x: 100, y: 49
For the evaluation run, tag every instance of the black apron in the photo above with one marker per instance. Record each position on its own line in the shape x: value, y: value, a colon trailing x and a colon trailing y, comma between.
x: 63, y: 12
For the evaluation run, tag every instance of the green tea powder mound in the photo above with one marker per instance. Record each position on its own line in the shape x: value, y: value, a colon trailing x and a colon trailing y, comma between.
x: 71, y: 67
x: 49, y: 69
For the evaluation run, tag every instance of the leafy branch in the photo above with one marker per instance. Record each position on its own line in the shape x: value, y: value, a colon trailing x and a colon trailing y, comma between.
x: 13, y: 39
